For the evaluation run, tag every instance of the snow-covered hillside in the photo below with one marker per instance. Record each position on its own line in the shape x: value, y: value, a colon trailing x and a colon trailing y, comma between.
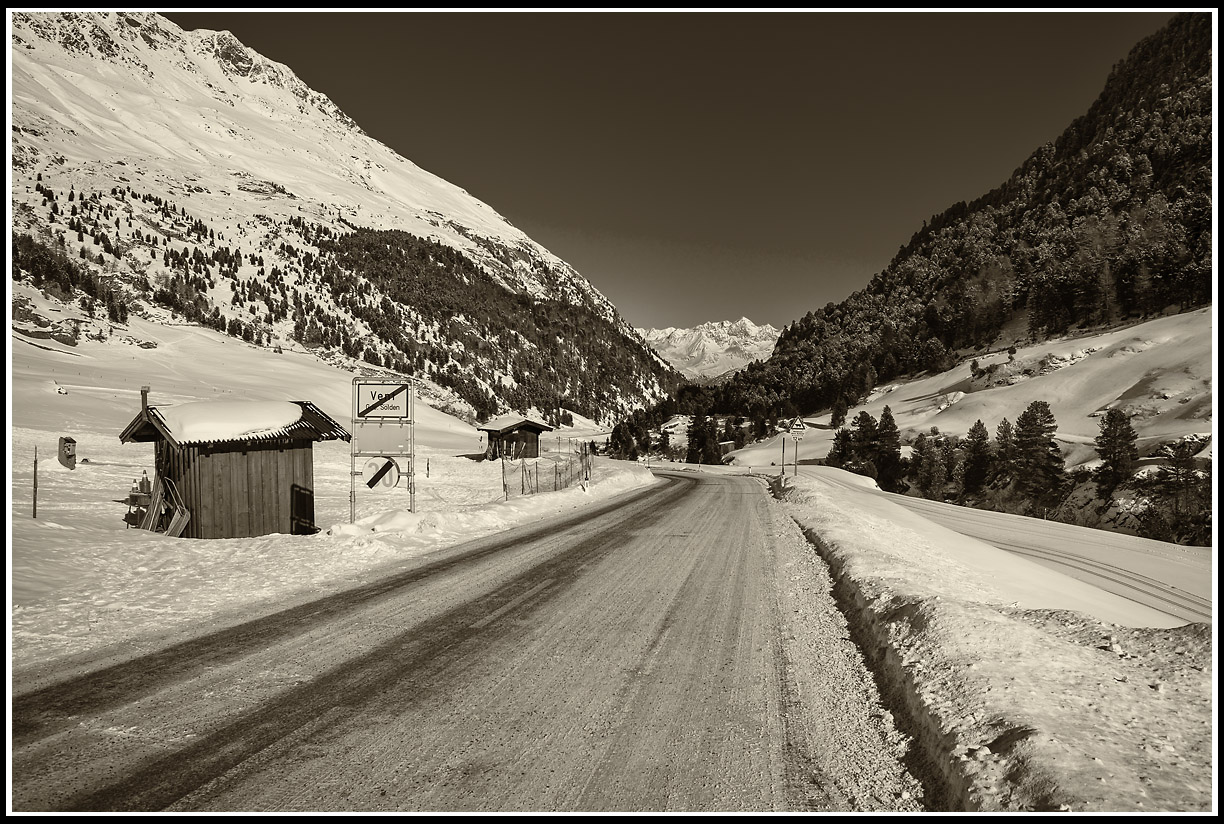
x: 712, y: 350
x: 131, y: 98
x: 1159, y: 372
x: 146, y: 153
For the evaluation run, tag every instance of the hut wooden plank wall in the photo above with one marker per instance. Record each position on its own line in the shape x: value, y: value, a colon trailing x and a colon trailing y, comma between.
x: 260, y: 489
x: 514, y: 437
x: 244, y: 487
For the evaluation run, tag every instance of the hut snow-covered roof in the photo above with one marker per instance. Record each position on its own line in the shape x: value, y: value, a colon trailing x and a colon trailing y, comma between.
x: 507, y: 423
x: 233, y: 421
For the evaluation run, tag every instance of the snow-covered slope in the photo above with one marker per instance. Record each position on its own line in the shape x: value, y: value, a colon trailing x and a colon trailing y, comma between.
x: 713, y: 349
x: 115, y: 95
x: 1159, y: 372
x: 188, y: 141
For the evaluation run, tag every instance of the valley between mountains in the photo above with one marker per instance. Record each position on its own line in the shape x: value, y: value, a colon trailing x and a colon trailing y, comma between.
x: 945, y: 545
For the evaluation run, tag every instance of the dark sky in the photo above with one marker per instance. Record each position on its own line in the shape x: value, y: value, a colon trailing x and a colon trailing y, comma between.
x: 708, y: 166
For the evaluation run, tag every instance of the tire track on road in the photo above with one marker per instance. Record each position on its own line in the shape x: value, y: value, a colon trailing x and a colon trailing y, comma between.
x: 40, y: 712
x: 166, y: 777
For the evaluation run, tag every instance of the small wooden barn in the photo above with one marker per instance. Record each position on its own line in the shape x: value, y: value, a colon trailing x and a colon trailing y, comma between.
x: 235, y: 469
x: 513, y: 437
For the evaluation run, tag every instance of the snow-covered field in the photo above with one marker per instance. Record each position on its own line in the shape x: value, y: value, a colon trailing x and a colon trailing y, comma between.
x: 1076, y: 695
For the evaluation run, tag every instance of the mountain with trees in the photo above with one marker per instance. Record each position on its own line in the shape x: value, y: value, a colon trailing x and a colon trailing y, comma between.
x: 1109, y: 224
x: 187, y: 178
x: 1107, y: 229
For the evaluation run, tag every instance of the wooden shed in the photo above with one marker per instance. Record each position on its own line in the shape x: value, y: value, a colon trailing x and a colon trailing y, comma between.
x: 513, y: 437
x: 239, y: 469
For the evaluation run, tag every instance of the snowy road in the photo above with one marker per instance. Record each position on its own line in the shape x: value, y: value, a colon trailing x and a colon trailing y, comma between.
x: 669, y: 650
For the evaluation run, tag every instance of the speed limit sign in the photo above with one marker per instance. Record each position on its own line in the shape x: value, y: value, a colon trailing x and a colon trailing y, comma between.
x: 382, y: 472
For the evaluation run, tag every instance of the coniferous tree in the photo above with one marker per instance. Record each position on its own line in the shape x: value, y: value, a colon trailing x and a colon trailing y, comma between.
x: 1039, y: 463
x: 837, y: 415
x: 1005, y: 452
x: 842, y: 449
x: 698, y: 434
x: 739, y: 437
x: 1116, y: 447
x: 977, y: 458
x: 865, y: 437
x: 931, y: 468
x: 888, y: 452
x: 1181, y: 499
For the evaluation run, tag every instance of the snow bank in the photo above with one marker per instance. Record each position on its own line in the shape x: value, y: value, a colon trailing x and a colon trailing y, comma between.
x: 1009, y: 680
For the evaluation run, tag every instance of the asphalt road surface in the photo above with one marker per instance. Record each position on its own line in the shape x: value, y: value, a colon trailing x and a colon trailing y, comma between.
x: 673, y: 649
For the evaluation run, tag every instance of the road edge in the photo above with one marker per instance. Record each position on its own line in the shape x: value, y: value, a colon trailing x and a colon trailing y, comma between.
x: 954, y: 782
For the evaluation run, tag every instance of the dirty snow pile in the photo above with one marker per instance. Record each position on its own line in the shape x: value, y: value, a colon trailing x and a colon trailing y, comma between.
x: 1030, y: 690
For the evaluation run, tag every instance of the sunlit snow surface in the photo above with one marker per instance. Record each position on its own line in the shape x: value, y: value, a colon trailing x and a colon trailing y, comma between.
x: 1160, y: 372
x: 227, y: 420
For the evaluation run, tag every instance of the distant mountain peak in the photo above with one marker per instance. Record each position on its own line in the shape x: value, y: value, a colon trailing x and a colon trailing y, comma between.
x: 712, y: 349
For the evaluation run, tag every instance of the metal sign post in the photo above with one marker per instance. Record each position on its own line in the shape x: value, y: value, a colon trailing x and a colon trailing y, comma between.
x: 797, y: 428
x: 384, y: 420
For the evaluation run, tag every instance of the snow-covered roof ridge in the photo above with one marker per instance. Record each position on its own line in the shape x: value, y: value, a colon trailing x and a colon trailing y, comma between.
x: 201, y: 422
x: 505, y: 422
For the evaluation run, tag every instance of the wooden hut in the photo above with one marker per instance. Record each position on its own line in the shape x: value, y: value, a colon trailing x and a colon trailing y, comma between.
x: 513, y: 437
x: 234, y: 469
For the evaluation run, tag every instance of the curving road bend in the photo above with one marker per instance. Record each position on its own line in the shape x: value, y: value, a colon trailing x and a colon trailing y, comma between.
x: 661, y: 652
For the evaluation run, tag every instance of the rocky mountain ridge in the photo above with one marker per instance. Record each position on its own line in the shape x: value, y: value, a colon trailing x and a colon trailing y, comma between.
x: 215, y: 174
x: 711, y: 350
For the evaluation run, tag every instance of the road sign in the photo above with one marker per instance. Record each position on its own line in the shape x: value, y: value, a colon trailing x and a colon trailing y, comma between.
x: 382, y: 400
x: 383, y: 426
x: 382, y: 472
x: 797, y: 428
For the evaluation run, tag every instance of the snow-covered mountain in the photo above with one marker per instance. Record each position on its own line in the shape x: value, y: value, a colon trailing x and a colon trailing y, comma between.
x: 712, y: 350
x: 164, y: 132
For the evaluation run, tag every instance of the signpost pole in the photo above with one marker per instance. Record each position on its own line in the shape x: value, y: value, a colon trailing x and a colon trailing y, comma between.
x: 354, y: 447
x: 784, y: 456
x: 412, y: 447
x: 796, y: 433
